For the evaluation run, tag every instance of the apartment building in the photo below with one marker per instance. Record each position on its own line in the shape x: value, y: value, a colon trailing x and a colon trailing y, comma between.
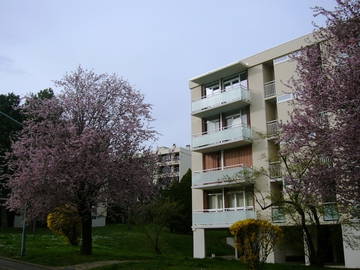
x: 173, y: 163
x: 235, y: 115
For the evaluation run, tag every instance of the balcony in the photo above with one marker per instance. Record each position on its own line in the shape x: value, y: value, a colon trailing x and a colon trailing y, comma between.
x: 275, y: 170
x: 229, y: 136
x: 330, y: 211
x: 220, y: 218
x: 219, y: 177
x: 272, y: 128
x: 277, y: 214
x: 269, y: 89
x: 232, y: 98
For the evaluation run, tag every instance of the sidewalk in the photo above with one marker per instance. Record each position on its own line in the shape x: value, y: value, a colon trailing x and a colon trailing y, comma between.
x: 9, y: 264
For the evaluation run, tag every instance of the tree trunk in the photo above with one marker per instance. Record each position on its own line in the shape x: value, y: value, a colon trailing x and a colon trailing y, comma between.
x: 3, y: 217
x: 320, y: 256
x: 308, y: 240
x: 86, y: 225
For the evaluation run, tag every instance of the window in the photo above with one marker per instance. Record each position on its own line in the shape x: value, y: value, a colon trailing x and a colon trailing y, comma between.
x: 237, y: 119
x: 233, y: 120
x: 211, y: 89
x: 239, y: 199
x: 231, y: 83
x: 215, y: 201
x: 286, y: 57
x: 244, y: 80
x: 284, y: 98
x: 212, y: 125
x: 281, y: 59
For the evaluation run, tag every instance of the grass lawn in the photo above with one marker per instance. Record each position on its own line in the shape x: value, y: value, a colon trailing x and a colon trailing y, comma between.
x: 118, y: 242
x: 192, y: 264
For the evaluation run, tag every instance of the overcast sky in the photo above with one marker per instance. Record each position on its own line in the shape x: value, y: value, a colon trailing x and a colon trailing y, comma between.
x: 156, y: 45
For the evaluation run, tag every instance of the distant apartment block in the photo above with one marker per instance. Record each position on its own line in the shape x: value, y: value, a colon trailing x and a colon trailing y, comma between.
x: 235, y: 114
x: 173, y: 163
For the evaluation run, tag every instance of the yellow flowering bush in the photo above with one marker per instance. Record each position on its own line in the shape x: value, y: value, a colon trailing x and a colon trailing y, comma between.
x: 65, y: 221
x: 255, y: 239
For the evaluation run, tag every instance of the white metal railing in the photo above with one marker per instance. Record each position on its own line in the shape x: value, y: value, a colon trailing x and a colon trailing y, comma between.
x: 225, y: 134
x: 330, y: 211
x: 269, y: 89
x: 220, y: 98
x: 272, y: 128
x: 275, y: 169
x: 220, y: 168
x: 277, y: 214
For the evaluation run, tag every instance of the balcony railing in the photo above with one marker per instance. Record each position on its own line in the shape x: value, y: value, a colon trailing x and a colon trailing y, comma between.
x: 277, y: 214
x: 272, y: 128
x: 275, y: 170
x: 224, y: 135
x: 269, y: 89
x: 221, y: 218
x: 220, y: 176
x: 219, y: 99
x: 330, y: 211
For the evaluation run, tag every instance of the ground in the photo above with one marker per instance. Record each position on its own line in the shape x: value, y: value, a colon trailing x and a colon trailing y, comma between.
x: 124, y: 244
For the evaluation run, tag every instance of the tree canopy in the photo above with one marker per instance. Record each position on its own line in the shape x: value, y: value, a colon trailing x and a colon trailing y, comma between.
x: 84, y: 147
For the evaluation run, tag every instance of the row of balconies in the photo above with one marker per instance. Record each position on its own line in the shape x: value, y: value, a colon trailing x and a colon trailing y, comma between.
x: 228, y: 137
x: 223, y: 218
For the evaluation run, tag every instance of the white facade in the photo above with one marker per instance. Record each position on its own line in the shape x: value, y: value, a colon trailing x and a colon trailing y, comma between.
x: 173, y: 163
x: 235, y: 113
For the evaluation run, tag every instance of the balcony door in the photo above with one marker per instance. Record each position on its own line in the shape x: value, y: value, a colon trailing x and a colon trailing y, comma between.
x: 231, y: 83
x: 233, y: 121
x: 215, y: 201
x: 239, y: 200
x: 211, y: 89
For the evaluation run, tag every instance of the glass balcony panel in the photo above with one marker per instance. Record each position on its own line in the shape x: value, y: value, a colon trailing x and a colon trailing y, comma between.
x: 221, y: 218
x: 226, y: 134
x: 218, y: 175
x: 218, y: 99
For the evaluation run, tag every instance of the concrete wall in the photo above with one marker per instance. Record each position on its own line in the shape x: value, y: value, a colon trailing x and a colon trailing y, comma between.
x: 351, y: 244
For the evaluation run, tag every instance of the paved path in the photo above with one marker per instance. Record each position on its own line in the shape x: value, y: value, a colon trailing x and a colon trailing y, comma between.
x: 8, y: 264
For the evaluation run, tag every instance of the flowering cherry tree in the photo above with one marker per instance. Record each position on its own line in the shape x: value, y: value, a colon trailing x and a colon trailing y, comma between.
x: 85, y: 147
x: 325, y: 122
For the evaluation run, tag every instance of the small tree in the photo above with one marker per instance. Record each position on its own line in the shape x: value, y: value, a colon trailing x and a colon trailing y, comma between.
x: 180, y: 193
x: 154, y: 218
x: 255, y: 239
x: 65, y: 221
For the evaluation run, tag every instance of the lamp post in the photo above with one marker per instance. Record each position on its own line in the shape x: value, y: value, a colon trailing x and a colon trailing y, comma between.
x: 23, y: 234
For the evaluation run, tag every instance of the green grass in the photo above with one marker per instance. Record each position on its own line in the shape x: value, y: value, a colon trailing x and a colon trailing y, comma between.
x: 193, y: 264
x: 113, y: 242
x: 118, y: 242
